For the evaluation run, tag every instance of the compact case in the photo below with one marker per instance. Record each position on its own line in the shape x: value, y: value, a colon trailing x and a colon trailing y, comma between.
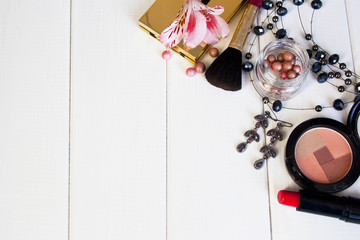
x: 163, y: 12
x: 323, y: 154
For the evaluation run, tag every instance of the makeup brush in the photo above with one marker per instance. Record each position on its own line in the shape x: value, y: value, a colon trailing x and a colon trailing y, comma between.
x: 225, y: 71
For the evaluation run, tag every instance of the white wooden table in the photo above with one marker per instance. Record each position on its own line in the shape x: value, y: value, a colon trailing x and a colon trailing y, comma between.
x: 102, y: 139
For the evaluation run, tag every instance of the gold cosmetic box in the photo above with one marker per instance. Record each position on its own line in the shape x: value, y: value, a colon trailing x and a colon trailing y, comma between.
x: 163, y: 12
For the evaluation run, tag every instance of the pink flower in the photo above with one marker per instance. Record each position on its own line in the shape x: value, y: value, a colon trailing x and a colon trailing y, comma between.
x: 196, y: 23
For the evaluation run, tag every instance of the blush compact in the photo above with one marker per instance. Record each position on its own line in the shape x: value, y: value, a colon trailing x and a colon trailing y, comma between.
x: 323, y: 154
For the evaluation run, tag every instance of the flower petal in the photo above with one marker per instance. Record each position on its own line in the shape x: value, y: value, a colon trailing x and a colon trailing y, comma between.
x: 173, y: 34
x: 217, y: 29
x: 199, y: 6
x: 195, y: 30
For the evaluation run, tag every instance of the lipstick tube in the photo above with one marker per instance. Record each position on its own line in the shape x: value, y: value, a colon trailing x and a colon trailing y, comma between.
x: 345, y: 208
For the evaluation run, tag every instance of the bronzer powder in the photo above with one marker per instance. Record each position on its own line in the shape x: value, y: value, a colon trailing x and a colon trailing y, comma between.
x: 323, y: 155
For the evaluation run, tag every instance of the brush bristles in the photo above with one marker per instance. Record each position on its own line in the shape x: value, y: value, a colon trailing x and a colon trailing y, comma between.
x: 225, y: 71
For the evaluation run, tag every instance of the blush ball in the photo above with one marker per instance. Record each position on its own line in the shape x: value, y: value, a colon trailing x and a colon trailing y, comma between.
x: 200, y: 67
x: 291, y: 74
x: 297, y: 68
x: 190, y: 72
x: 166, y: 55
x: 214, y: 52
x: 271, y: 58
x: 287, y: 66
x: 288, y: 56
x: 276, y: 66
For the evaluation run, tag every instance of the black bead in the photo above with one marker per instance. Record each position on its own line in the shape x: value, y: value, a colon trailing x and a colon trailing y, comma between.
x: 259, y: 163
x: 323, y: 61
x: 265, y: 123
x: 348, y: 81
x: 270, y: 132
x: 249, y: 133
x: 275, y: 18
x: 270, y: 26
x: 281, y: 11
x: 320, y: 55
x: 298, y: 2
x: 309, y: 52
x: 338, y: 105
x: 342, y: 66
x: 264, y: 149
x: 341, y: 88
x: 281, y: 33
x: 279, y: 3
x: 248, y: 55
x: 315, y: 48
x: 247, y: 66
x: 267, y: 4
x: 357, y: 88
x: 322, y: 77
x: 272, y: 152
x: 316, y: 4
x: 308, y: 36
x: 265, y: 100
x: 241, y: 147
x: 348, y: 73
x: 316, y: 67
x: 334, y: 58
x: 259, y: 117
x: 256, y: 137
x: 277, y: 105
x: 331, y: 74
x: 318, y: 108
x: 338, y: 75
x: 258, y: 30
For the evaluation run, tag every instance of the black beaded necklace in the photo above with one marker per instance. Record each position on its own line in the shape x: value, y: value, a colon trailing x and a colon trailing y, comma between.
x: 320, y: 57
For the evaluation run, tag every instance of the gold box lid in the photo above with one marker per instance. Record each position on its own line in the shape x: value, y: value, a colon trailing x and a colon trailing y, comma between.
x: 163, y: 12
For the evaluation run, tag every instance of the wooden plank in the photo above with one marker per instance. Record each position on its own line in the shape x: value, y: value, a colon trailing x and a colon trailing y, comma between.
x: 118, y: 124
x: 214, y: 191
x: 34, y: 105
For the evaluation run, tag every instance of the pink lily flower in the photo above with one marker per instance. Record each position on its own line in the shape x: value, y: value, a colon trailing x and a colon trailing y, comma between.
x: 196, y: 23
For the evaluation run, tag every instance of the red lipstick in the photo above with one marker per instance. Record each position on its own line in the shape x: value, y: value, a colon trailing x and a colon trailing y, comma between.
x: 344, y: 208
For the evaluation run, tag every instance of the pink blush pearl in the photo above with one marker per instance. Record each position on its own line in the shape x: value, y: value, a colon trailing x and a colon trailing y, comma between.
x: 190, y: 72
x: 213, y: 52
x: 297, y: 68
x: 271, y: 58
x: 199, y: 67
x: 288, y: 56
x: 287, y: 66
x: 276, y: 66
x: 166, y: 55
x: 291, y: 74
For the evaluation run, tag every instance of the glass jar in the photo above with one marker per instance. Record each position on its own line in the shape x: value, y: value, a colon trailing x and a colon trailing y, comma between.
x: 274, y: 84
